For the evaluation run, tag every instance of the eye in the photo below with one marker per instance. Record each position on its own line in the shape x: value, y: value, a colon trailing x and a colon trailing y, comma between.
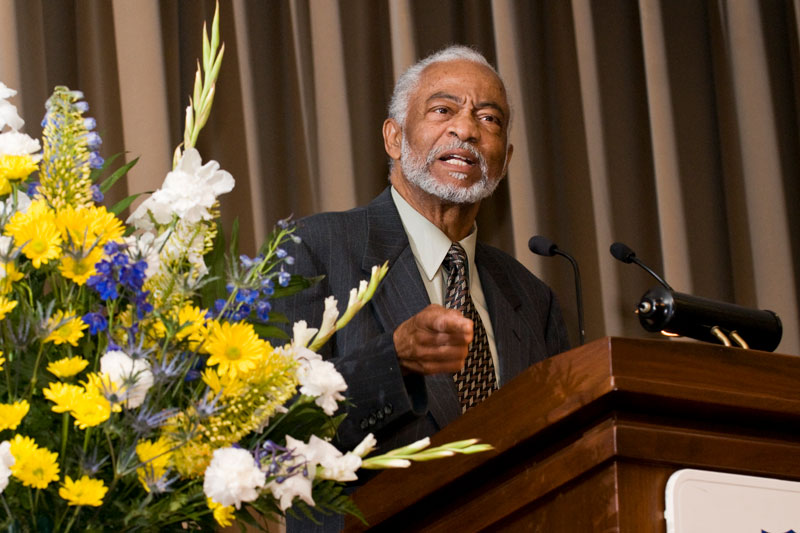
x: 441, y: 110
x: 491, y: 119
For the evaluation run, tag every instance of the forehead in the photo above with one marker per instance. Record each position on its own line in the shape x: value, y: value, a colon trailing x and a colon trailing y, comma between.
x: 463, y: 79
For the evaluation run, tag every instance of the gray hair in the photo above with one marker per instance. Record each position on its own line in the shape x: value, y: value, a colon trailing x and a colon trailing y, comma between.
x: 409, y: 80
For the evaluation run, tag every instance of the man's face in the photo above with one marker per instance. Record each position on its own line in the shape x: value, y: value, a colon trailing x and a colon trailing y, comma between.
x: 454, y: 144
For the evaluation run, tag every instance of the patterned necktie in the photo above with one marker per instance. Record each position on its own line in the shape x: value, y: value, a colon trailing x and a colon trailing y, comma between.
x: 476, y: 381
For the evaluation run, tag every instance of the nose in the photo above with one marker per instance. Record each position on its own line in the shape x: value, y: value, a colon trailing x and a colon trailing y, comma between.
x: 464, y: 127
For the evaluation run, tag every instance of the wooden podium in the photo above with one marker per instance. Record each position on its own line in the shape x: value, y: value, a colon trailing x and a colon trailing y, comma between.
x: 586, y: 441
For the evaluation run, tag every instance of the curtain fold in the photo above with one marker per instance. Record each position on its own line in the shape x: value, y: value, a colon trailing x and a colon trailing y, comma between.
x: 670, y: 125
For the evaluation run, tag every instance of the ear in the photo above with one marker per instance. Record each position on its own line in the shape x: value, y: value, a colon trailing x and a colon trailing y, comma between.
x: 509, y: 151
x: 392, y: 138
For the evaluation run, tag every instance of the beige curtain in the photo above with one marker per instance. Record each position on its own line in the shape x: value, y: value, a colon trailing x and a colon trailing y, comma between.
x: 670, y: 125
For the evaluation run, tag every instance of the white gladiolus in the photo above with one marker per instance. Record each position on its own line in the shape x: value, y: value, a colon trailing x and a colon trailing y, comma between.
x: 6, y: 462
x: 233, y: 477
x: 320, y: 379
x: 290, y: 487
x: 334, y: 464
x: 131, y: 377
x: 8, y: 112
x: 188, y: 192
x: 366, y: 446
x: 329, y: 317
x: 302, y: 334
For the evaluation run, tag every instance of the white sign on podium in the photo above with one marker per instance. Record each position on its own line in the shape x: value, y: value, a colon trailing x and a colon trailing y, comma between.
x: 699, y: 501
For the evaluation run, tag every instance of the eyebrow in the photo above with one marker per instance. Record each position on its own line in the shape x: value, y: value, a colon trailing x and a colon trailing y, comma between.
x: 480, y: 105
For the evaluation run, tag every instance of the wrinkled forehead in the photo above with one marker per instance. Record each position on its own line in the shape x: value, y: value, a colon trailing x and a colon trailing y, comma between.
x: 462, y: 77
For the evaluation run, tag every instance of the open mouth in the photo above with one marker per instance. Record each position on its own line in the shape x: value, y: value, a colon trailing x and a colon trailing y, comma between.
x: 458, y: 160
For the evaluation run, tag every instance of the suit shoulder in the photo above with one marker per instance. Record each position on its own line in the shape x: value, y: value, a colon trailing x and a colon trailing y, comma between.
x: 332, y: 227
x: 496, y: 258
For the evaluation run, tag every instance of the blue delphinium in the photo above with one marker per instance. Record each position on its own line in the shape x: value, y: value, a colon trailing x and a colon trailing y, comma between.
x: 118, y: 276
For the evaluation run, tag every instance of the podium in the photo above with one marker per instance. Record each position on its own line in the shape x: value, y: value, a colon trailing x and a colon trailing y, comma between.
x: 586, y: 440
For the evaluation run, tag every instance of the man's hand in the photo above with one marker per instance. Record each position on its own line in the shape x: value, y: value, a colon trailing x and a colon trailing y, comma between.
x: 434, y: 340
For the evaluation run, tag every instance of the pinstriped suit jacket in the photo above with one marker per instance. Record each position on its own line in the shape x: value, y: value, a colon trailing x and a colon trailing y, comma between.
x: 344, y: 246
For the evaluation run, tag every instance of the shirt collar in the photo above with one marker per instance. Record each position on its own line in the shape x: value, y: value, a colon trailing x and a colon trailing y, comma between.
x: 428, y: 243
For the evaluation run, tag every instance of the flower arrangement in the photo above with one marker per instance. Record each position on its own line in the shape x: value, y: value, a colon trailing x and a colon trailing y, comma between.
x: 138, y: 391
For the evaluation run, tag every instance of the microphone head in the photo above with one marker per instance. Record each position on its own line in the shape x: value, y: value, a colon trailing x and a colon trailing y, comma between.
x: 542, y: 246
x: 622, y: 252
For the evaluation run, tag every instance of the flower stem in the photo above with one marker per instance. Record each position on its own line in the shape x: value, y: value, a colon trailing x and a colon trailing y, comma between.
x: 72, y: 520
x: 35, y: 370
x: 64, y: 434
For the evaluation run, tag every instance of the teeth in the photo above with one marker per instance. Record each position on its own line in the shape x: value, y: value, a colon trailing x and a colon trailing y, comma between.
x: 455, y: 160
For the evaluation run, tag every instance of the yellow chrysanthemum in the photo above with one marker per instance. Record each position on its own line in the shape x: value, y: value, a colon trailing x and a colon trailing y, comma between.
x: 192, y: 321
x: 79, y: 265
x: 37, y: 468
x: 22, y: 447
x: 16, y: 167
x: 8, y: 275
x: 223, y: 514
x: 6, y: 306
x: 92, y: 408
x: 65, y: 396
x: 68, y: 366
x: 65, y: 328
x: 227, y: 385
x: 36, y: 232
x: 236, y: 348
x: 88, y: 226
x: 155, y: 456
x: 84, y: 491
x: 11, y: 414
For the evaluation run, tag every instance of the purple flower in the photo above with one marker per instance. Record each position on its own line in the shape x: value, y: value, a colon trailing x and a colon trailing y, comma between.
x: 284, y: 278
x: 97, y: 194
x: 96, y: 322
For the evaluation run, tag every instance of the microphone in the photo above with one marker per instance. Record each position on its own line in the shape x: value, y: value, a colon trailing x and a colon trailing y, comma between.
x: 544, y: 246
x: 623, y: 253
x: 665, y: 310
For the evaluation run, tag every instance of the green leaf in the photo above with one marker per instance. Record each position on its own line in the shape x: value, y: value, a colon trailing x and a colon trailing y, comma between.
x: 113, y: 178
x: 296, y: 284
x: 270, y: 332
x: 97, y: 172
x: 123, y: 204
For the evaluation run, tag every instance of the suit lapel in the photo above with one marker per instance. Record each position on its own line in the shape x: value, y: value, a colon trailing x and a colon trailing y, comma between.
x: 502, y: 302
x: 402, y: 293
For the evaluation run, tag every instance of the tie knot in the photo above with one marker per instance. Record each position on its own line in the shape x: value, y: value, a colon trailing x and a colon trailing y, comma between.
x: 456, y: 257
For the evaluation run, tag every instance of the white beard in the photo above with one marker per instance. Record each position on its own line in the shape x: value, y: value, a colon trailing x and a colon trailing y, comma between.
x: 417, y: 171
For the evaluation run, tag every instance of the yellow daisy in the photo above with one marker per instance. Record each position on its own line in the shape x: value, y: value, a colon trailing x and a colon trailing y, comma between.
x: 234, y: 347
x: 11, y: 414
x: 88, y: 226
x: 6, y: 306
x: 65, y: 396
x: 79, y: 265
x: 91, y: 410
x: 105, y: 225
x: 65, y: 328
x: 37, y: 468
x: 192, y: 323
x: 223, y: 514
x: 155, y: 457
x: 36, y: 232
x: 67, y: 366
x: 15, y: 167
x: 11, y: 274
x: 22, y: 447
x: 85, y: 491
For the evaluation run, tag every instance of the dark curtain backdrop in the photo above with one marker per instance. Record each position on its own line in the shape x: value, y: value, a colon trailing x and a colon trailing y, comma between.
x: 671, y: 125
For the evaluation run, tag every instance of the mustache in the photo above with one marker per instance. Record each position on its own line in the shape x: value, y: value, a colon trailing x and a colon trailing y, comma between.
x: 434, y: 154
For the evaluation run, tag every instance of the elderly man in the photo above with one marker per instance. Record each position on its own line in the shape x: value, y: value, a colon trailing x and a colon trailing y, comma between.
x: 453, y: 318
